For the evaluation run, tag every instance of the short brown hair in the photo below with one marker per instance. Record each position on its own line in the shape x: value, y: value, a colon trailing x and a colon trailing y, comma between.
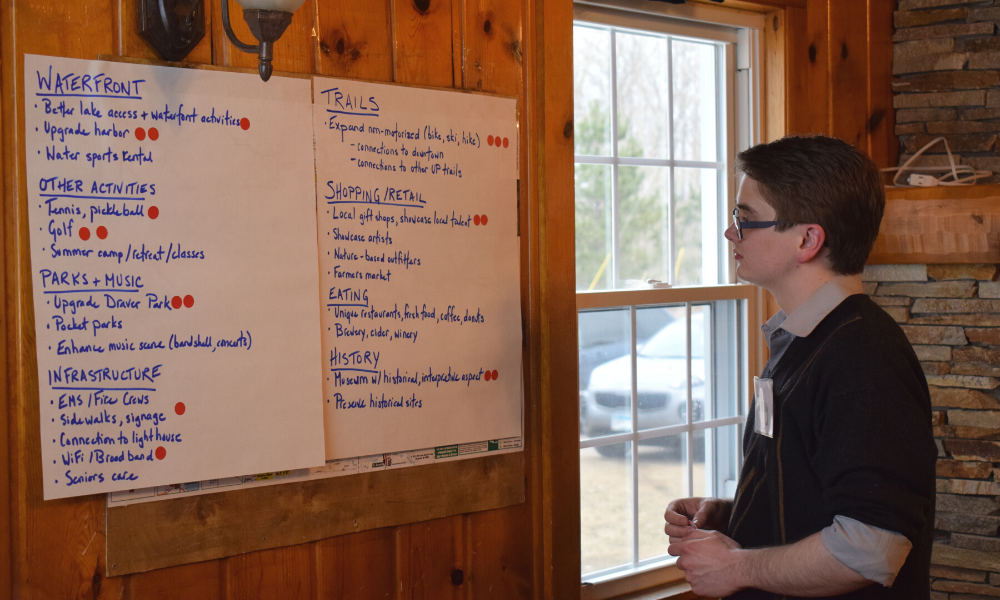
x: 825, y: 181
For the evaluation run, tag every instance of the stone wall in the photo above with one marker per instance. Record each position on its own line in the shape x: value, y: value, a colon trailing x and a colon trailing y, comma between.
x: 946, y: 63
x: 951, y: 315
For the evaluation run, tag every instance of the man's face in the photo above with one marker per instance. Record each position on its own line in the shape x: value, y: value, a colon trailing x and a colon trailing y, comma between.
x: 764, y: 256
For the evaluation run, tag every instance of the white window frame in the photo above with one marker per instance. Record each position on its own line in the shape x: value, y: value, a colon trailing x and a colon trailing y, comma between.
x: 739, y: 65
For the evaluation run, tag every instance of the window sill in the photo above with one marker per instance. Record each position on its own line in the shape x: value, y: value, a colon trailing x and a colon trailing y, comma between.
x: 669, y: 591
x: 657, y: 584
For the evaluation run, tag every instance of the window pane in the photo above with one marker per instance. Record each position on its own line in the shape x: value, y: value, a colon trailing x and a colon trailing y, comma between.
x: 642, y: 95
x: 643, y: 221
x: 662, y: 478
x: 605, y: 507
x: 605, y: 372
x: 661, y: 364
x: 726, y: 460
x: 695, y: 199
x: 701, y: 359
x: 662, y: 370
x: 695, y: 93
x: 716, y: 461
x: 724, y: 371
x: 593, y: 228
x: 592, y: 90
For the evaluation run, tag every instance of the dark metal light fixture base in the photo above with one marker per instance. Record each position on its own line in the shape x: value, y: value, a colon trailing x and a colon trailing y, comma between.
x: 172, y: 27
x: 267, y: 26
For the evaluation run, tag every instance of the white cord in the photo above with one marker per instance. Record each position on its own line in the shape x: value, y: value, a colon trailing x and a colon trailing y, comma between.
x: 969, y: 177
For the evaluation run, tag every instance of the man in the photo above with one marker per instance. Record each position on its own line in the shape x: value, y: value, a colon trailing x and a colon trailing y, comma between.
x: 836, y: 495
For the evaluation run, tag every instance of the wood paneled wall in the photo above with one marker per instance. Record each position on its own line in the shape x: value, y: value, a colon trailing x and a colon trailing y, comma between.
x: 57, y: 548
x: 836, y: 57
x: 839, y: 62
x: 837, y: 76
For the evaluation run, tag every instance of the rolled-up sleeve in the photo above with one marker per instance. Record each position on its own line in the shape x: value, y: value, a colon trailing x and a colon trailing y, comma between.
x: 875, y: 554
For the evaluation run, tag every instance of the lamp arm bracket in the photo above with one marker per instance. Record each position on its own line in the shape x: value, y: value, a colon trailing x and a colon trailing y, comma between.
x: 249, y: 48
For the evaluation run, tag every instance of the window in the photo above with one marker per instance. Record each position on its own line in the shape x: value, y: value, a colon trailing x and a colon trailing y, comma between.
x: 661, y: 108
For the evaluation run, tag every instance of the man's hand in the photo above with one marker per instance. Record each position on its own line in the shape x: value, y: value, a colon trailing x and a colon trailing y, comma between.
x: 687, y: 515
x: 711, y: 563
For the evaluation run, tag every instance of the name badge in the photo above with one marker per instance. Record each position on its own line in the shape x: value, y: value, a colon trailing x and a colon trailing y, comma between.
x: 763, y: 402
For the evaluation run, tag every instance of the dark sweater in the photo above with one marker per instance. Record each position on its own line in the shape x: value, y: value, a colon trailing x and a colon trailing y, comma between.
x: 852, y: 437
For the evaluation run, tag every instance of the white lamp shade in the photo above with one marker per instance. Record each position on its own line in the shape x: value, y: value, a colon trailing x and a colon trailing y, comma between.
x: 285, y: 5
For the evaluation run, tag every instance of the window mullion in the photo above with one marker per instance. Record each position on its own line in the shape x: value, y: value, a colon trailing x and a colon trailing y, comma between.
x: 671, y: 233
x: 690, y: 407
x: 635, y: 439
x: 615, y: 262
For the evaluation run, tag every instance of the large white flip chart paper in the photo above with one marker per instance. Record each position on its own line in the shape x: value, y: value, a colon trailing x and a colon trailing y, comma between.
x: 417, y: 216
x: 174, y: 265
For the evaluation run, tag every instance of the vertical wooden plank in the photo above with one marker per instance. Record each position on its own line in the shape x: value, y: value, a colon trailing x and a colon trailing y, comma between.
x: 360, y: 566
x: 492, y: 33
x: 57, y: 546
x: 849, y: 71
x: 200, y: 581
x: 422, y: 37
x: 494, y: 46
x: 497, y: 566
x: 355, y: 39
x: 427, y: 555
x: 810, y: 113
x: 458, y: 43
x: 883, y: 144
x: 775, y: 91
x: 6, y: 566
x: 797, y: 93
x: 531, y: 524
x: 294, y: 52
x: 280, y: 573
x: 131, y: 44
x: 556, y: 433
x: 57, y: 28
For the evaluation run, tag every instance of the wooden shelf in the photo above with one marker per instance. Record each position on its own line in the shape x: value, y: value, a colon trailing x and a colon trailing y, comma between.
x: 939, y: 225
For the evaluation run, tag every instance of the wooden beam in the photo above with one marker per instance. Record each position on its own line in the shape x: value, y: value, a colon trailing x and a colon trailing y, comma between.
x: 154, y: 535
x: 939, y: 225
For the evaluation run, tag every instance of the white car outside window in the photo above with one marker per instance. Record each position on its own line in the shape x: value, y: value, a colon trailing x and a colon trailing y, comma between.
x: 662, y: 383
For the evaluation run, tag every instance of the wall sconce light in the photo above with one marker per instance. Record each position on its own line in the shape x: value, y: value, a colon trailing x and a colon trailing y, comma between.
x: 174, y: 27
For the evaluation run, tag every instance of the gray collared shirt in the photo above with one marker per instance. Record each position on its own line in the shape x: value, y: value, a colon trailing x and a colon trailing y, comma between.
x: 875, y: 554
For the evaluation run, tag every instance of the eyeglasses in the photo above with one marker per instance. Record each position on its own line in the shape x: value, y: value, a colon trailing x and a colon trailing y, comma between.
x: 741, y: 225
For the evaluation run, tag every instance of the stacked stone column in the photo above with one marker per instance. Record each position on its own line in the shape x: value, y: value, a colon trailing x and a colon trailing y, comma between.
x: 951, y: 315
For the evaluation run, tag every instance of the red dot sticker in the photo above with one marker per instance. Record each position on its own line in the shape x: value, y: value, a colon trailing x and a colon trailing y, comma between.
x: 179, y: 408
x: 498, y: 141
x: 506, y: 142
x: 161, y: 453
x: 188, y: 301
x: 489, y: 140
x: 102, y: 232
x: 84, y: 234
x: 154, y: 134
x: 487, y: 375
x: 495, y: 374
x: 153, y: 212
x: 140, y: 133
x: 475, y: 219
x: 245, y: 123
x: 484, y: 219
x: 175, y: 302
